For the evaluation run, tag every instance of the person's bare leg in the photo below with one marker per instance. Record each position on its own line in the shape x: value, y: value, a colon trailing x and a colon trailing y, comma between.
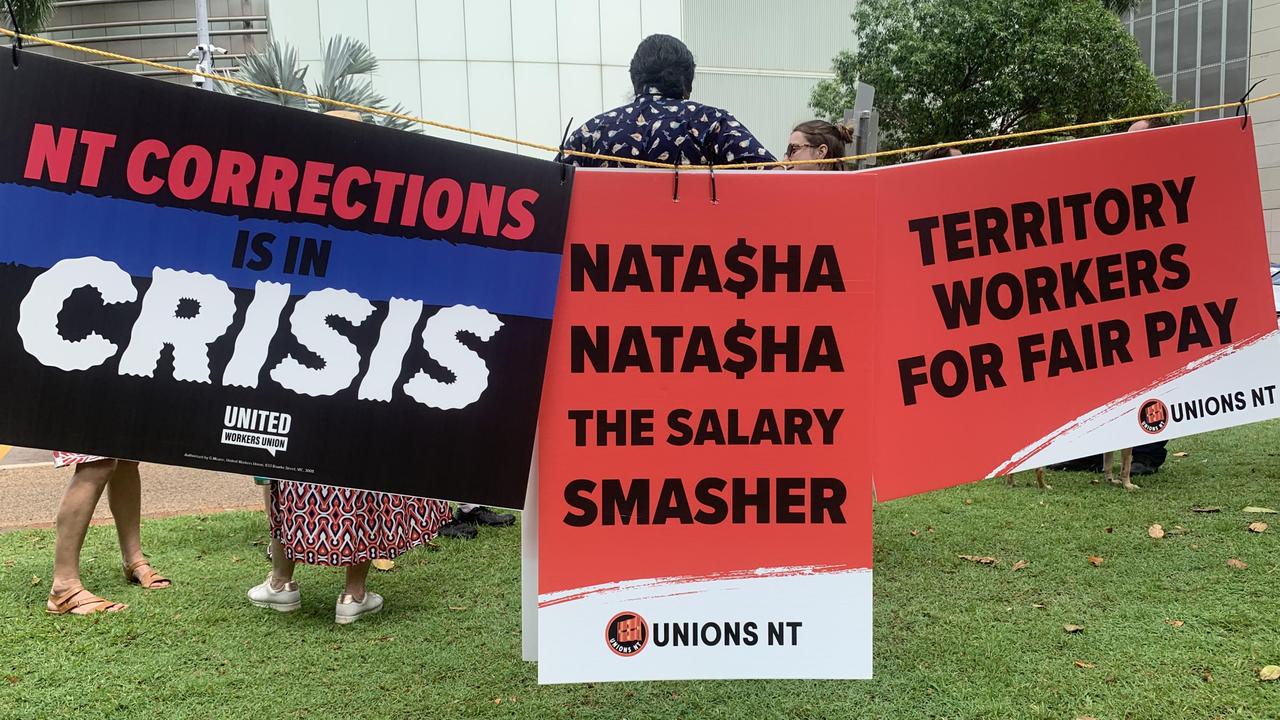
x: 281, y: 566
x: 356, y: 575
x: 72, y: 524
x: 124, y: 495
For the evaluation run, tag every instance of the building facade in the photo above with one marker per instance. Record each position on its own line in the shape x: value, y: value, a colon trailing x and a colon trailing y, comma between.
x: 159, y: 30
x: 1208, y: 52
x: 1264, y: 64
x: 525, y: 68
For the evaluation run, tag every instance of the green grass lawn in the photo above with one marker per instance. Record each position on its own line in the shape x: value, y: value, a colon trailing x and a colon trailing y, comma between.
x: 953, y: 638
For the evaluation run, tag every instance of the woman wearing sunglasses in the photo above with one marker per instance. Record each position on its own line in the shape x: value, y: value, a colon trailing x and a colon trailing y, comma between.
x: 818, y: 140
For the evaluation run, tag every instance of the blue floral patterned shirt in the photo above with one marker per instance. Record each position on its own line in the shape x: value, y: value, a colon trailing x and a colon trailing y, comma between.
x: 661, y: 129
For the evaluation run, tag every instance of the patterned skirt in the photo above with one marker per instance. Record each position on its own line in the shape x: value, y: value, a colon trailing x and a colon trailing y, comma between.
x: 64, y: 459
x: 323, y: 525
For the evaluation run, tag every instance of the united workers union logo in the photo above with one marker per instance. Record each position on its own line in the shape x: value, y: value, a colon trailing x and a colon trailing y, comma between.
x: 1153, y: 416
x: 626, y: 634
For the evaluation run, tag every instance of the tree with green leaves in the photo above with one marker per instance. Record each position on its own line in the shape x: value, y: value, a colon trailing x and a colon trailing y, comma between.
x: 955, y: 69
x: 1119, y: 6
x: 32, y: 15
x: 344, y: 77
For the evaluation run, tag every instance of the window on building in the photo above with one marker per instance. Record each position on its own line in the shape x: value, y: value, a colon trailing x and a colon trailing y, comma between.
x: 1197, y: 49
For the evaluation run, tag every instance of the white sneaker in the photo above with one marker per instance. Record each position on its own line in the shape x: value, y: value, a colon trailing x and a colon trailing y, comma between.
x: 286, y: 599
x: 348, y: 610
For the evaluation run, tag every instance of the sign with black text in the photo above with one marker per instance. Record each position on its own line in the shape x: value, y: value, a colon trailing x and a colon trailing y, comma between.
x: 705, y: 444
x: 1064, y: 300
x: 196, y: 279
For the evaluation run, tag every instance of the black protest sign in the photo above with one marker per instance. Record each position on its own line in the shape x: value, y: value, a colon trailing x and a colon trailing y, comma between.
x: 196, y: 279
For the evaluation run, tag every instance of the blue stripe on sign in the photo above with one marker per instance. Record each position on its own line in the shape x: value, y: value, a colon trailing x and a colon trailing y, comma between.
x: 39, y: 227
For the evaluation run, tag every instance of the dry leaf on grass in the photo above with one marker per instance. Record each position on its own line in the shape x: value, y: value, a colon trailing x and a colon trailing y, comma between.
x: 1175, y: 623
x: 1020, y: 564
x: 1207, y: 676
x: 1110, y: 530
x: 1073, y: 628
x: 35, y: 580
x: 1258, y: 527
x: 1237, y: 564
x: 1084, y: 665
x: 1180, y: 454
x: 1095, y: 561
x: 1038, y: 606
x: 915, y: 533
x: 980, y: 559
x: 1269, y: 673
x: 1206, y: 509
x: 1086, y: 717
x: 457, y: 608
x: 968, y: 501
x: 1156, y: 531
x: 1252, y: 509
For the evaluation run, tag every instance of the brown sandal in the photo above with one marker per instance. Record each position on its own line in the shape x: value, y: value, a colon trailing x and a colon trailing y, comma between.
x: 78, y: 601
x: 149, y: 580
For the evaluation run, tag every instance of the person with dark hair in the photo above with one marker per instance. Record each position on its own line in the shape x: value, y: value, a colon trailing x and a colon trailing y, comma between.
x: 662, y: 124
x: 941, y: 152
x: 818, y: 140
x: 1151, y: 124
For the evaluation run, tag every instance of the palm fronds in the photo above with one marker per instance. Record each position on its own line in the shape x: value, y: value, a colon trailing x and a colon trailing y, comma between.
x: 344, y: 77
x: 32, y: 15
x: 277, y: 66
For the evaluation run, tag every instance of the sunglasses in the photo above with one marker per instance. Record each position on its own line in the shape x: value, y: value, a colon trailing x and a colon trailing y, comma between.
x: 793, y: 148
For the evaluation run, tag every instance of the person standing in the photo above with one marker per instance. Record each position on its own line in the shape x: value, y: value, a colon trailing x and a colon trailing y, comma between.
x: 818, y: 140
x: 1147, y: 458
x: 662, y: 124
x: 93, y: 474
x: 340, y: 527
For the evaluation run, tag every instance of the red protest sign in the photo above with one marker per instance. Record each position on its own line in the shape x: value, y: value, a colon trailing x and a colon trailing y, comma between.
x: 1059, y: 301
x: 704, y: 474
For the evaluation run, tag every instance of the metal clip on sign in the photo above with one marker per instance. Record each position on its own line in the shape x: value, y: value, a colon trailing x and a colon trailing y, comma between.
x: 560, y: 156
x: 675, y: 179
x: 1244, y: 107
x: 711, y: 168
x: 17, y: 32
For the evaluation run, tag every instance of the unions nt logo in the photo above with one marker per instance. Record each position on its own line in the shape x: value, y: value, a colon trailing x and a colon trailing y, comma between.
x: 1153, y: 416
x: 626, y: 634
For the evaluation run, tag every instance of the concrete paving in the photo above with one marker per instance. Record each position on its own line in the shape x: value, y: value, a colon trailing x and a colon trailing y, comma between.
x: 24, y: 456
x: 32, y: 487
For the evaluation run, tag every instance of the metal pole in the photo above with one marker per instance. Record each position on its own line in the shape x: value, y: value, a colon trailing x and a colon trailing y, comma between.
x: 203, y: 51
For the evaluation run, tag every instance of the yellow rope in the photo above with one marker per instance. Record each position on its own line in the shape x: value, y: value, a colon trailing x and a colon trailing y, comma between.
x: 307, y: 96
x: 611, y: 158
